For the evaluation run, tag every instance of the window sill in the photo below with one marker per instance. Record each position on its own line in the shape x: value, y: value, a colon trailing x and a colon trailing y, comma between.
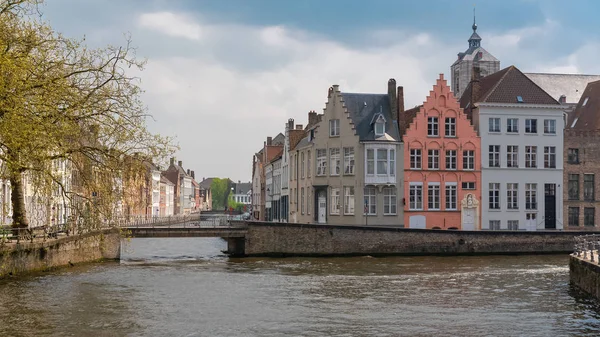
x: 550, y: 134
x: 513, y: 210
x: 415, y: 209
x: 449, y: 136
x: 334, y: 136
x: 531, y: 134
x: 416, y: 168
x: 390, y: 214
x: 334, y: 214
x: 494, y: 132
x: 516, y: 133
x: 494, y: 210
x: 433, y: 136
x: 349, y: 214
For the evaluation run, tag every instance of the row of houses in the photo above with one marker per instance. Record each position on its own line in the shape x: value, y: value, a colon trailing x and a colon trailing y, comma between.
x: 504, y: 150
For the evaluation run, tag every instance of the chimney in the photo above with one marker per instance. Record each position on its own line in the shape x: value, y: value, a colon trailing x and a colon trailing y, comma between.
x: 180, y: 163
x: 193, y: 175
x: 239, y: 181
x: 172, y: 161
x: 188, y: 172
x: 269, y: 141
x: 392, y: 98
x: 400, y: 108
x: 291, y: 124
x: 562, y: 99
x: 299, y: 127
x: 312, y: 118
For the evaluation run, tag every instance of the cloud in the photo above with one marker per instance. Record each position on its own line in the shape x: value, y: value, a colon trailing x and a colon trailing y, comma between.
x: 171, y: 24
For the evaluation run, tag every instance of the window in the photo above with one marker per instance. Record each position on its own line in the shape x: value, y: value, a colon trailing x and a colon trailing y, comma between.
x: 549, y: 157
x: 573, y: 216
x: 392, y: 162
x: 433, y: 159
x: 302, y: 200
x: 468, y: 185
x: 530, y: 196
x: 512, y: 156
x: 334, y: 128
x: 585, y: 101
x: 370, y: 200
x: 416, y: 197
x: 513, y: 225
x: 334, y: 158
x: 382, y: 161
x: 389, y: 201
x: 379, y: 128
x: 450, y: 159
x: 335, y: 201
x: 370, y: 161
x: 588, y: 216
x: 308, y: 164
x: 550, y: 126
x: 415, y: 158
x: 349, y: 200
x: 531, y: 126
x: 432, y: 127
x: 573, y: 156
x: 468, y: 160
x: 302, y: 165
x: 308, y: 200
x: 495, y: 225
x: 450, y: 130
x: 512, y: 196
x: 573, y: 186
x: 451, y: 196
x: 433, y: 196
x: 588, y: 187
x: 494, y: 153
x: 494, y: 124
x: 531, y: 156
x: 321, y: 162
x: 512, y: 125
x: 494, y: 196
x: 348, y: 160
x: 292, y: 162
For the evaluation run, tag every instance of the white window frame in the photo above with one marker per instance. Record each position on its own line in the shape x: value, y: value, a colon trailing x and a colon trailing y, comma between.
x: 494, y: 225
x: 308, y: 163
x: 531, y: 196
x: 451, y: 196
x: 494, y: 156
x: 415, y: 192
x: 334, y: 128
x: 512, y: 225
x: 433, y: 126
x: 335, y: 161
x: 379, y: 128
x: 382, y: 163
x: 433, y: 196
x: 531, y: 126
x: 450, y: 127
x: 512, y: 156
x: 370, y: 194
x: 512, y: 196
x: 530, y: 156
x: 433, y: 157
x: 451, y: 160
x: 349, y: 200
x: 349, y: 161
x: 302, y: 200
x: 335, y: 201
x: 494, y: 124
x: 302, y: 165
x: 321, y: 162
x: 416, y: 162
x: 494, y: 196
x: 468, y: 185
x: 370, y: 162
x: 469, y: 160
x: 549, y: 156
x: 390, y: 200
x: 549, y: 126
x: 512, y: 125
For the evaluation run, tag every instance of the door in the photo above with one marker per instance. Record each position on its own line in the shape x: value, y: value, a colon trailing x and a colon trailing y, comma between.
x: 550, y: 206
x: 322, y: 201
x: 531, y: 221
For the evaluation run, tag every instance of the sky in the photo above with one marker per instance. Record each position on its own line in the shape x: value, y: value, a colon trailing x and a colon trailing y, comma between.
x: 223, y: 75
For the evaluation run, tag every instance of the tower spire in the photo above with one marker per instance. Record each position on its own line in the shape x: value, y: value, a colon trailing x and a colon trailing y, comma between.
x: 474, y: 24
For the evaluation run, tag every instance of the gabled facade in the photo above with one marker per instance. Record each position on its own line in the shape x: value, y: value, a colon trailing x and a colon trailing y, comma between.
x: 166, y: 197
x: 357, y: 160
x: 183, y: 197
x: 257, y: 174
x: 205, y: 194
x: 582, y: 162
x: 442, y: 165
x: 521, y: 129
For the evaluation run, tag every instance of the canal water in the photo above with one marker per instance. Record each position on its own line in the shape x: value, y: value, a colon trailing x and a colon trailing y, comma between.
x: 187, y: 287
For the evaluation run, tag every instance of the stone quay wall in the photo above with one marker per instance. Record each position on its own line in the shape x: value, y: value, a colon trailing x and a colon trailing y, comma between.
x: 278, y: 239
x: 40, y: 256
x: 585, y: 275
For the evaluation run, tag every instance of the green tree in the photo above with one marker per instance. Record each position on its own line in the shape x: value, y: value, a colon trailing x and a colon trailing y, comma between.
x: 61, y: 101
x: 219, y: 189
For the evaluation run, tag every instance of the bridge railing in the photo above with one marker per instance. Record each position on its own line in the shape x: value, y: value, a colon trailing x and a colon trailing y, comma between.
x: 156, y: 220
x: 587, y: 246
x: 43, y: 233
x: 193, y: 222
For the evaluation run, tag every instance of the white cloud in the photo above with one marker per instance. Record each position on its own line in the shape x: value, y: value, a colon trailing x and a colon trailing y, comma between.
x: 172, y: 24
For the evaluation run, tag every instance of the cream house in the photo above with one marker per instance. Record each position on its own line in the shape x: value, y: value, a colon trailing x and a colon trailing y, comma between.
x: 355, y: 159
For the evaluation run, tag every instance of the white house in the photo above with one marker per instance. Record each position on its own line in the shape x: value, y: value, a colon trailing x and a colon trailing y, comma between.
x: 521, y: 129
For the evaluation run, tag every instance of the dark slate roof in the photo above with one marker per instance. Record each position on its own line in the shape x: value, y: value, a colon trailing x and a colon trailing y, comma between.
x: 205, y: 184
x: 362, y: 108
x: 587, y: 117
x: 242, y: 188
x: 302, y: 143
x: 279, y: 139
x: 504, y: 86
x: 165, y: 180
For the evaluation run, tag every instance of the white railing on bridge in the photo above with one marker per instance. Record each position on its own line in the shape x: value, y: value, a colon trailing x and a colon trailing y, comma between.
x: 587, y: 246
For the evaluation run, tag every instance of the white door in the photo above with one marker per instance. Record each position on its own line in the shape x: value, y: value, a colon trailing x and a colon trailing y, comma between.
x: 322, y: 207
x: 468, y: 219
x: 531, y: 221
x: 417, y: 221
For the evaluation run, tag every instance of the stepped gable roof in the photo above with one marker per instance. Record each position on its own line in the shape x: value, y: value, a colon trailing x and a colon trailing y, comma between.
x: 409, y: 115
x: 505, y: 86
x: 363, y: 108
x: 586, y: 115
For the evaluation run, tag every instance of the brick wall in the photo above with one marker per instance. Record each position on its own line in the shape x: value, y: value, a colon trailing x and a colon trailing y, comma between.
x: 588, y: 145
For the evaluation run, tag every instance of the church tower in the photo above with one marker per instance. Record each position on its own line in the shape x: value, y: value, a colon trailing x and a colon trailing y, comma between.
x: 473, y: 59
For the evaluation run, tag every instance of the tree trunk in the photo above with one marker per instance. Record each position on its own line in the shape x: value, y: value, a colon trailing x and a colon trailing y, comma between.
x: 18, y: 201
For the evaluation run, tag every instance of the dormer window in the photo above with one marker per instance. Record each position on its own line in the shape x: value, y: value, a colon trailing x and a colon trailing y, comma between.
x: 380, y: 126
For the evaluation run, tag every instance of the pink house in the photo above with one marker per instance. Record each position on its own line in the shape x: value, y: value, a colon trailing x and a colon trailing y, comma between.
x: 442, y: 164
